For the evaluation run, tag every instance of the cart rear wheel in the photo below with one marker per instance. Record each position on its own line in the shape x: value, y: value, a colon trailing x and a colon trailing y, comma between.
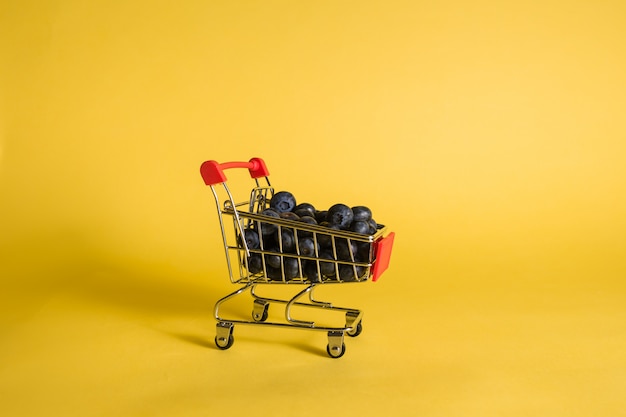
x: 260, y: 312
x: 336, y: 352
x: 356, y: 330
x: 224, y: 343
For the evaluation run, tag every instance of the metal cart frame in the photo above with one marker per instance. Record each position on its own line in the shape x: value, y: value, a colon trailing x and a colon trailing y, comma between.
x: 375, y: 250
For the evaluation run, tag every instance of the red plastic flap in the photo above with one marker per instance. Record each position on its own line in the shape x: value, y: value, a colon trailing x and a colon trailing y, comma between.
x: 383, y: 254
x: 213, y: 172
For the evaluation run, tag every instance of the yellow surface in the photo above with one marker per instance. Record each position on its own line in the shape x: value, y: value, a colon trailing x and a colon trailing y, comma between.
x: 490, y: 136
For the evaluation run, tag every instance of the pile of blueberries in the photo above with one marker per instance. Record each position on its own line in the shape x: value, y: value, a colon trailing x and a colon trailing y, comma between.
x: 280, y: 244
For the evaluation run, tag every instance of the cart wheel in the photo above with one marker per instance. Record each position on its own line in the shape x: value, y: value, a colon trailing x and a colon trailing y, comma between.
x: 335, y: 352
x: 356, y: 331
x: 224, y: 343
x: 260, y: 312
x: 224, y: 335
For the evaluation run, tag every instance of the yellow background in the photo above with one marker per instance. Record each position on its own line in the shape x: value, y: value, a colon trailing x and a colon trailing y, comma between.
x: 489, y: 135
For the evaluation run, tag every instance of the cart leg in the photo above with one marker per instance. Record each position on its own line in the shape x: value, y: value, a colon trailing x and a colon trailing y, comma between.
x: 216, y: 309
x: 224, y: 335
x: 353, y: 321
x: 314, y: 301
x: 291, y: 302
x: 336, y: 348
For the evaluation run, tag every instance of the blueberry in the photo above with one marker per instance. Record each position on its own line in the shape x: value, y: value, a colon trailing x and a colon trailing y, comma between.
x: 326, y: 240
x: 340, y: 215
x: 373, y: 226
x: 268, y: 228
x: 346, y: 251
x: 320, y: 216
x: 251, y: 237
x: 288, y: 215
x: 360, y: 226
x: 255, y: 264
x: 303, y: 213
x: 361, y: 213
x: 273, y: 259
x: 275, y: 274
x: 327, y: 268
x: 305, y: 206
x: 283, y: 201
x: 308, y: 219
x: 363, y: 252
x: 307, y: 247
x: 347, y: 272
x: 291, y: 267
x: 310, y: 271
x: 270, y: 212
x: 267, y: 241
x: 287, y: 240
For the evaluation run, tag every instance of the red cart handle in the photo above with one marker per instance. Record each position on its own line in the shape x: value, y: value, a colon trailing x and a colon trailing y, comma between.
x: 213, y: 172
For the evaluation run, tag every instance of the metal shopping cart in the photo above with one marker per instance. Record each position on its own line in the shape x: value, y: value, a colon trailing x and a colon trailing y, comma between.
x: 253, y: 258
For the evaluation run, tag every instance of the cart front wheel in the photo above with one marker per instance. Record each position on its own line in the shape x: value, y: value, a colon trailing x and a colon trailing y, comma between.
x: 336, y: 351
x: 224, y: 335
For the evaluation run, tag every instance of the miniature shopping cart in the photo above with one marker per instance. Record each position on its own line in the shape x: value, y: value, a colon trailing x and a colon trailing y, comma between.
x: 252, y: 263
